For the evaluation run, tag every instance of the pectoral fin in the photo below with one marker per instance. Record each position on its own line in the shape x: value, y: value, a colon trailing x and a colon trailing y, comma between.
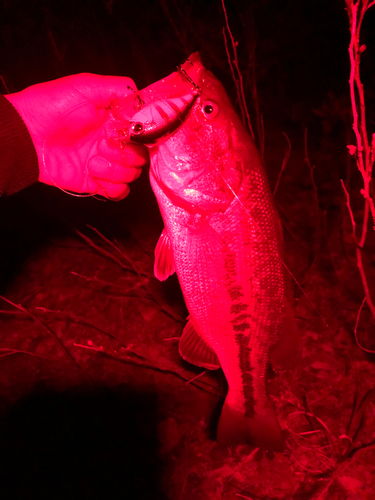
x: 164, y: 263
x: 195, y: 350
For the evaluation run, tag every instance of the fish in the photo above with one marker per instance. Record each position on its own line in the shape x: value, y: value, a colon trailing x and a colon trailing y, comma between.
x: 223, y: 237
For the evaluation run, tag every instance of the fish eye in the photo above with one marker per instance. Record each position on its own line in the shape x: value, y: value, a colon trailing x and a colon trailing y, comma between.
x: 210, y: 109
x: 137, y: 128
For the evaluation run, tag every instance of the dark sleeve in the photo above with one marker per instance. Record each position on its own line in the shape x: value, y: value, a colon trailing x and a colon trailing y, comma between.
x: 18, y: 159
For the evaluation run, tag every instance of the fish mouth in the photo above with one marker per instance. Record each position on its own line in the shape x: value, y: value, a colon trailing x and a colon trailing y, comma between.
x: 166, y: 103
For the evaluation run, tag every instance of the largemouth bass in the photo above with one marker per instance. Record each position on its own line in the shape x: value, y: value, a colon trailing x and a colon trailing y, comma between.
x: 223, y: 237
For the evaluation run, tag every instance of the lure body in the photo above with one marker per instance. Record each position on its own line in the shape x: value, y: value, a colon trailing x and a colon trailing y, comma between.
x: 153, y: 122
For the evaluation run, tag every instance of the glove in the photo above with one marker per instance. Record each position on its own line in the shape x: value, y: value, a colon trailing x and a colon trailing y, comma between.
x: 67, y: 121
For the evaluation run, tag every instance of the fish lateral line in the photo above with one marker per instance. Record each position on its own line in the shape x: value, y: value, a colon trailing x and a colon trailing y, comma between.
x: 248, y: 213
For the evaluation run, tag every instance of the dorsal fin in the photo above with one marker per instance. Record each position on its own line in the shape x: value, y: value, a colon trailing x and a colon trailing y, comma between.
x: 195, y: 350
x: 164, y: 263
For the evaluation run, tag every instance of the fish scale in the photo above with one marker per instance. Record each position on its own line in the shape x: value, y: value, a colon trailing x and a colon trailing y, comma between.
x: 222, y: 236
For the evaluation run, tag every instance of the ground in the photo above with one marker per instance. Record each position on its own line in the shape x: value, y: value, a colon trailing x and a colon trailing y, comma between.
x: 95, y: 399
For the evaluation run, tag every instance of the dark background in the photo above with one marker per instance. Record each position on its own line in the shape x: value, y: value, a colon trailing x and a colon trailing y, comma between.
x: 297, y: 54
x: 300, y: 48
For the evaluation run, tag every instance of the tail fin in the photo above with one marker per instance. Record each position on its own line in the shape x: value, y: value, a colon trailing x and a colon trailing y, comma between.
x: 262, y: 430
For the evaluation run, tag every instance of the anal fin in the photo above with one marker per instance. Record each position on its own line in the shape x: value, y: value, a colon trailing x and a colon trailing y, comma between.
x: 195, y: 350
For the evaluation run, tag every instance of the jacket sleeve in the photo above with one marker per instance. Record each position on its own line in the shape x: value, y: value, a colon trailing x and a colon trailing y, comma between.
x: 18, y: 159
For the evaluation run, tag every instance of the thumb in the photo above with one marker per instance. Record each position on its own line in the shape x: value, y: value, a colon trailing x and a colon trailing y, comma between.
x: 102, y: 88
x: 76, y: 123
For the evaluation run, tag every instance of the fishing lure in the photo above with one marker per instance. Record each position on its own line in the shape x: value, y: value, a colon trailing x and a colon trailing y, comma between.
x: 153, y: 122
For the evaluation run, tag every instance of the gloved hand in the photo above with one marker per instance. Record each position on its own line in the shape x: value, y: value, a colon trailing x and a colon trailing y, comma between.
x: 66, y: 119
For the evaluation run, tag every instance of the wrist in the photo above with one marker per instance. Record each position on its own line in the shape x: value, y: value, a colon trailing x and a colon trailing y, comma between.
x: 19, y: 160
x: 17, y: 101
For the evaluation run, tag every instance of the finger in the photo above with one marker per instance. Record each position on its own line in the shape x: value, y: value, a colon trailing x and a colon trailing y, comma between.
x: 107, y: 189
x: 115, y: 192
x: 100, y: 88
x: 132, y: 155
x: 102, y: 169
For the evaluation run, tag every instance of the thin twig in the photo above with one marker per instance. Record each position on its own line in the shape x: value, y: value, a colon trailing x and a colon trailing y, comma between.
x: 133, y: 269
x: 235, y: 79
x: 316, y: 194
x: 196, y: 377
x: 115, y: 247
x: 350, y: 211
x: 7, y: 351
x: 81, y: 321
x: 109, y: 255
x: 356, y: 328
x: 364, y: 280
x: 5, y: 85
x: 239, y: 79
x: 140, y: 360
x: 124, y: 289
x: 59, y: 55
x: 285, y: 161
x: 18, y: 314
x: 35, y: 318
x: 311, y: 415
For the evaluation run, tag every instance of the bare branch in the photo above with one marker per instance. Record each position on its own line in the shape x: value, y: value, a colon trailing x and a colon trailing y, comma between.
x: 364, y: 153
x: 285, y: 161
x: 349, y: 210
x: 35, y: 318
x: 239, y: 80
